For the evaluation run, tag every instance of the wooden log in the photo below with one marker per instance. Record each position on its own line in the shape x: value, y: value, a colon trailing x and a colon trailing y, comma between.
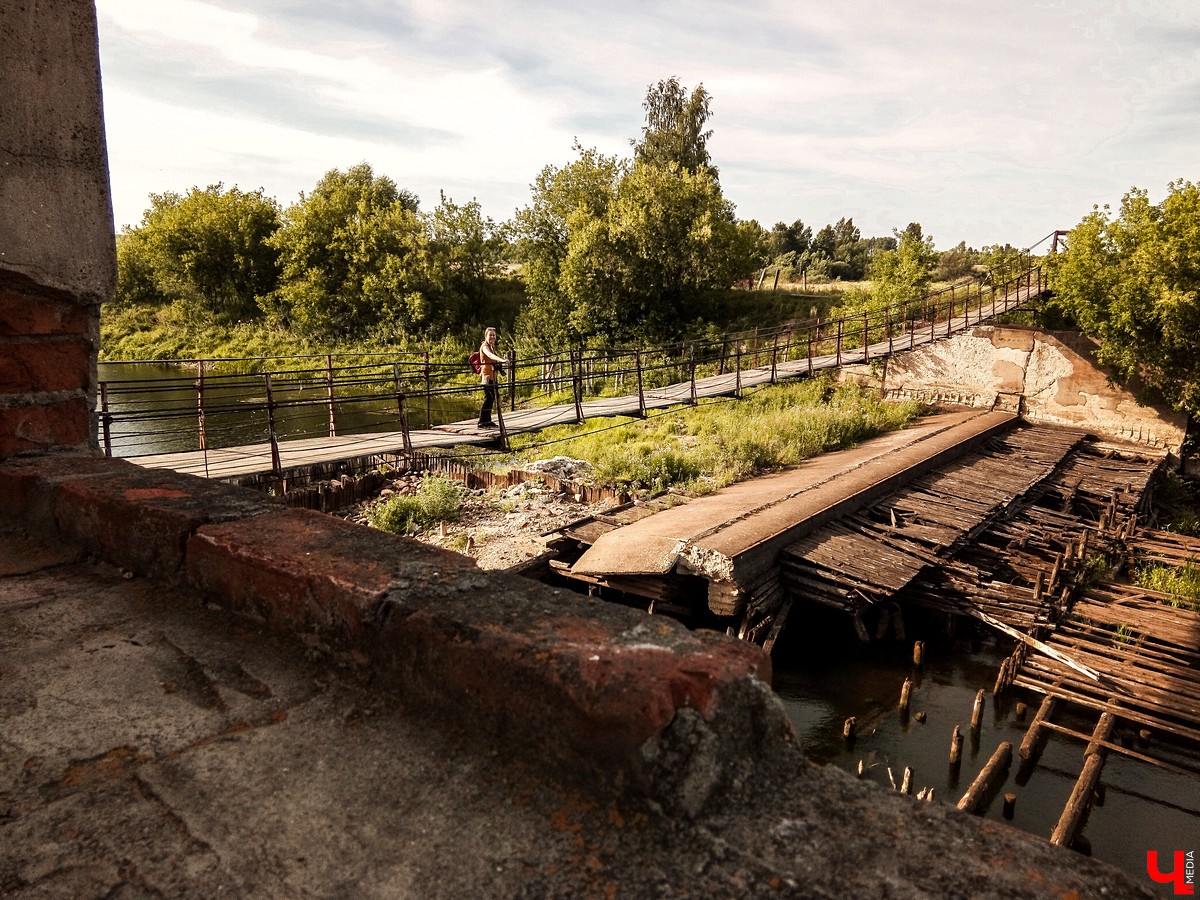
x: 905, y: 694
x: 992, y: 771
x: 906, y: 781
x: 919, y: 654
x: 956, y: 744
x: 1010, y: 805
x: 1029, y: 743
x: 1020, y: 711
x: 849, y: 727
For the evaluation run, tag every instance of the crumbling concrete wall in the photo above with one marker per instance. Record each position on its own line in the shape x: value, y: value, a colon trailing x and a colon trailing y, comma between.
x: 57, y: 254
x: 1050, y: 378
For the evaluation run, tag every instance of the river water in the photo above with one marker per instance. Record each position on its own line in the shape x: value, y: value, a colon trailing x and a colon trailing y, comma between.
x: 155, y: 410
x: 823, y: 682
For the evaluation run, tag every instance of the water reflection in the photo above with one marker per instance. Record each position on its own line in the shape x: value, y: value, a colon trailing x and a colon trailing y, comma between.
x: 155, y: 408
x: 822, y: 683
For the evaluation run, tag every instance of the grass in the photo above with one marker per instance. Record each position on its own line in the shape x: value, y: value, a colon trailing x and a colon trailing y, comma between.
x: 1182, y: 583
x: 698, y: 449
x: 439, y: 500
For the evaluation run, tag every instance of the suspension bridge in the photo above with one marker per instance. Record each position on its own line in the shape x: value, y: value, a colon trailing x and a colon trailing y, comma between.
x: 541, y: 391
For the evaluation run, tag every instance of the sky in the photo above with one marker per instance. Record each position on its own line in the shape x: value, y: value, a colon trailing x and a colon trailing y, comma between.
x: 986, y: 122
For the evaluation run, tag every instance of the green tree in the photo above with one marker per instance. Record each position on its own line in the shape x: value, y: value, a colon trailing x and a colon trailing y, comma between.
x: 843, y: 246
x: 564, y: 200
x: 904, y: 274
x: 653, y: 261
x: 1133, y: 282
x: 796, y: 239
x: 355, y: 257
x: 210, y: 246
x: 674, y: 133
x: 957, y: 262
x: 466, y: 255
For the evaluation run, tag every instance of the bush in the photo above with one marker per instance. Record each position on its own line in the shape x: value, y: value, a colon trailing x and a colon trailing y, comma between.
x: 439, y: 500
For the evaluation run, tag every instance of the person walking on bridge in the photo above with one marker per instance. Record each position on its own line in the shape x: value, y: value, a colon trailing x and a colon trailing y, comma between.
x: 491, y: 367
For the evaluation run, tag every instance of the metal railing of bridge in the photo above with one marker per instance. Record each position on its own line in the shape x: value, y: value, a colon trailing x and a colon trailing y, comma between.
x: 205, y: 409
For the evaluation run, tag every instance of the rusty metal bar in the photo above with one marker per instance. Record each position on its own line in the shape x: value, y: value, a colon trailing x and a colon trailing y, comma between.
x: 329, y: 389
x: 105, y: 419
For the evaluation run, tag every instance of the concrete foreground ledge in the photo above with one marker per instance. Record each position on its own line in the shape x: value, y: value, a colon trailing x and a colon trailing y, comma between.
x: 586, y: 685
x: 289, y: 705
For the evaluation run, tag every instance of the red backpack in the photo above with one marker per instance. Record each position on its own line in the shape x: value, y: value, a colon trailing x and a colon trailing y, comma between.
x: 476, y: 362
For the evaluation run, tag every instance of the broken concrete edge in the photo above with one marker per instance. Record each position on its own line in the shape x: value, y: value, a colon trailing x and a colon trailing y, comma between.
x: 588, y: 688
x: 750, y: 565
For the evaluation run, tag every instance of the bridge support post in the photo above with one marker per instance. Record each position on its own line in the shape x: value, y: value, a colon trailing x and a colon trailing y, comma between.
x: 106, y: 419
x: 428, y: 393
x: 276, y: 465
x: 692, y: 370
x: 200, y: 404
x: 329, y: 391
x: 637, y: 364
x: 577, y: 383
x: 512, y: 380
x: 401, y: 412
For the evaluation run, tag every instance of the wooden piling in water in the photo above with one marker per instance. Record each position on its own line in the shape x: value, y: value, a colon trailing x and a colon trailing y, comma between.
x: 919, y: 654
x: 1080, y: 800
x: 905, y: 694
x: 1029, y: 743
x: 991, y: 772
x: 956, y: 744
x: 1010, y: 805
x: 848, y: 728
x: 977, y: 711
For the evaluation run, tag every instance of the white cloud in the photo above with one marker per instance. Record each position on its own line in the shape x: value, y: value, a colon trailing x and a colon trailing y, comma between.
x: 984, y: 121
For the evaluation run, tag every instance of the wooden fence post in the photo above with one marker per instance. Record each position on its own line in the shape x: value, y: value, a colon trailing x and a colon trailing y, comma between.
x: 839, y: 342
x: 810, y: 346
x: 866, y: 340
x: 774, y: 362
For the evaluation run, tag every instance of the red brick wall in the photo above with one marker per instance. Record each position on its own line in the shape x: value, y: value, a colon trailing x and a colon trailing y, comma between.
x: 47, y: 361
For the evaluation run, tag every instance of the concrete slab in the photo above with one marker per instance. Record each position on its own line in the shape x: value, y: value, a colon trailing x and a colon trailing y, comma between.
x: 730, y: 535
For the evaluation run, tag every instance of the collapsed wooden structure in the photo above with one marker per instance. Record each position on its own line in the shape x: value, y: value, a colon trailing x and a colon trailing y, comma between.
x: 1029, y: 533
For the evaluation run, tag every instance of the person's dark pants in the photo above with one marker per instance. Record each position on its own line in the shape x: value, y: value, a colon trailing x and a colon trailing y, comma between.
x: 490, y: 392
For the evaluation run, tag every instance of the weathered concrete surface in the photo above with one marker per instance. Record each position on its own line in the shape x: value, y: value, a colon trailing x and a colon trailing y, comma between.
x: 152, y: 744
x: 734, y: 535
x: 57, y: 226
x: 1055, y: 375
